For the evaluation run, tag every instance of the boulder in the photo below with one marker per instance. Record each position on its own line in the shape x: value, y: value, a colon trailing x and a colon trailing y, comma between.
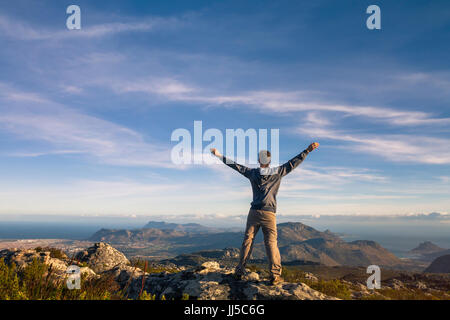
x: 102, y: 257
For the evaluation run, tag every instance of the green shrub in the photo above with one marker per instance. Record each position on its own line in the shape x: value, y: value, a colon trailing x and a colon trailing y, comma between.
x: 9, y: 282
x: 56, y: 253
x: 185, y: 296
x: 147, y: 296
x: 144, y: 265
x: 37, y: 281
x: 294, y: 275
x: 412, y: 294
x: 333, y: 288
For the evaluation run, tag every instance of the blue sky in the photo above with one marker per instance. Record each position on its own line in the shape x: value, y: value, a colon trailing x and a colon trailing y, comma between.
x: 86, y: 116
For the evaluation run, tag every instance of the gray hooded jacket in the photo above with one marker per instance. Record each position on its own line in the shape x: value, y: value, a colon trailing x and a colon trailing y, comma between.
x: 266, y: 181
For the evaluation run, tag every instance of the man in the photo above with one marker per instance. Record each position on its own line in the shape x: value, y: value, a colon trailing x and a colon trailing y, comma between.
x: 265, y: 183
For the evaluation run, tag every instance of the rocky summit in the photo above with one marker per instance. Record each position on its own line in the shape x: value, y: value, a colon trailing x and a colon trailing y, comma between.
x: 210, y: 281
x: 22, y: 258
x: 211, y: 278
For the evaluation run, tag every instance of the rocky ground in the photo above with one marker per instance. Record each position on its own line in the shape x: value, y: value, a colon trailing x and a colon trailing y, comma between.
x: 210, y: 279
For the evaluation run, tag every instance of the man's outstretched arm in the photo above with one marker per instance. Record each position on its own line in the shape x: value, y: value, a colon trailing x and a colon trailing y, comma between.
x: 295, y: 162
x: 239, y: 168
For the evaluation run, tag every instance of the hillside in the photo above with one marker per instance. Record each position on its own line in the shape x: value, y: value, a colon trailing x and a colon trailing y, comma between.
x: 136, y: 235
x: 332, y: 252
x: 290, y: 232
x: 440, y: 265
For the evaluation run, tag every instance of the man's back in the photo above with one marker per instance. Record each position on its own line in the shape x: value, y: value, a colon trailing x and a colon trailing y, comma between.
x: 266, y: 181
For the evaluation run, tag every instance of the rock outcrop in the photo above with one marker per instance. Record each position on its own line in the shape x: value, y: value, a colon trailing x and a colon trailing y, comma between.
x: 22, y: 258
x: 211, y: 281
x: 102, y: 257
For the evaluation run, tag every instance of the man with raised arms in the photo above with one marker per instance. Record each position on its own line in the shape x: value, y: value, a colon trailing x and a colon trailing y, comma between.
x: 265, y: 183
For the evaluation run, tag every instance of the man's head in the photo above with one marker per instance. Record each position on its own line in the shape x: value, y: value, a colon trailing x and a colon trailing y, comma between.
x: 264, y: 158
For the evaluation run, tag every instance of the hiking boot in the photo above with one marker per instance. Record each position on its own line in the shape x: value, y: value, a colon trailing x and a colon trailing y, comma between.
x: 276, y: 280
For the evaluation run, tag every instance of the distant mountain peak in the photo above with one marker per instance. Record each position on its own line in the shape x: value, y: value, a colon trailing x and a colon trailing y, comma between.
x: 297, y: 231
x: 426, y: 247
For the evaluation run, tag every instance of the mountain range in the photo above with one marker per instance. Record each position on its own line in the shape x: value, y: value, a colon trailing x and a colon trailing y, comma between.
x: 297, y: 242
x: 186, y: 227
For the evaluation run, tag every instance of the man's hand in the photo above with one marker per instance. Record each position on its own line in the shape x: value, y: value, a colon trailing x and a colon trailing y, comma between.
x: 215, y: 152
x: 313, y: 146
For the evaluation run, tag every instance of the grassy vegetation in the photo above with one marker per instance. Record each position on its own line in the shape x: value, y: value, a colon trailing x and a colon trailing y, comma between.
x: 334, y: 288
x: 37, y: 281
x: 342, y: 290
x: 337, y: 288
x: 54, y: 252
x: 291, y: 274
x: 146, y: 267
x: 147, y: 296
x: 407, y: 294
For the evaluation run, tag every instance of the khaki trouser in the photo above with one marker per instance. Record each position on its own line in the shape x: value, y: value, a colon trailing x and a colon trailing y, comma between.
x: 267, y: 221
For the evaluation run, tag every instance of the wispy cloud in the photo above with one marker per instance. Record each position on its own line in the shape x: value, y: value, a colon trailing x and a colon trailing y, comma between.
x: 22, y: 31
x: 337, y: 175
x: 71, y: 89
x: 406, y: 148
x: 161, y: 86
x: 273, y: 101
x: 40, y: 154
x: 322, y: 183
x: 119, y: 195
x: 440, y: 80
x: 32, y: 117
x: 444, y: 179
